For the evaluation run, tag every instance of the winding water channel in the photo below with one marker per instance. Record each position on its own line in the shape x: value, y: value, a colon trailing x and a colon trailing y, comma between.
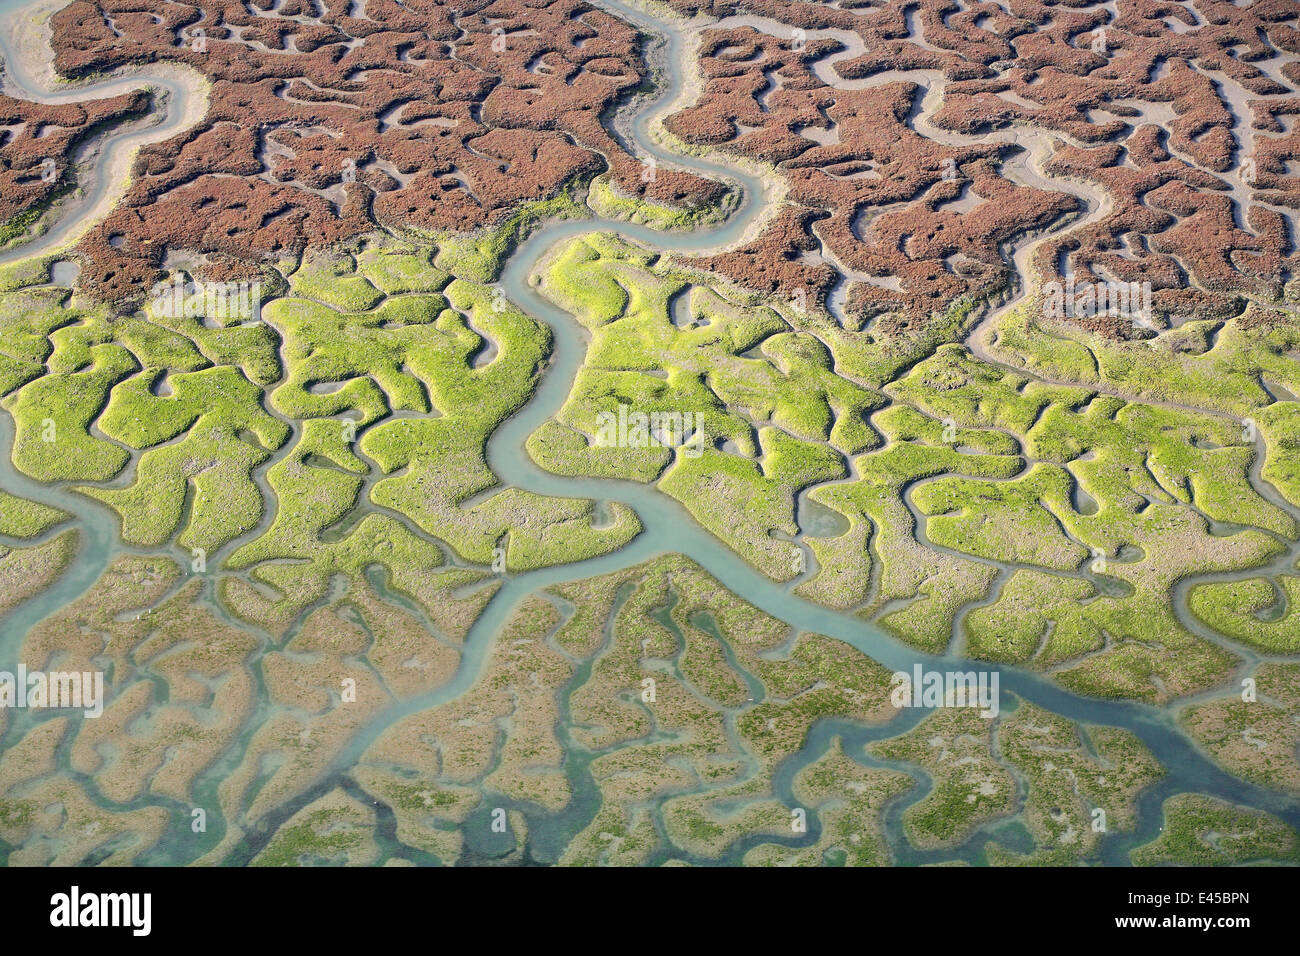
x: 668, y: 527
x: 179, y: 99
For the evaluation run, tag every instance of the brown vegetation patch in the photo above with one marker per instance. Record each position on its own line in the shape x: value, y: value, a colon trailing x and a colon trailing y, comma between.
x: 37, y: 143
x: 1175, y: 116
x: 328, y: 117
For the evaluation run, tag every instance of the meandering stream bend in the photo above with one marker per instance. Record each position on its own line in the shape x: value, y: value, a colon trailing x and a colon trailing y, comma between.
x: 669, y: 529
x: 180, y: 98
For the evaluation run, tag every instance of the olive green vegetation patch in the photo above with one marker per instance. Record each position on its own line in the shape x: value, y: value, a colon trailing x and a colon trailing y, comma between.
x: 1259, y: 612
x: 671, y: 653
x: 389, y: 364
x: 1253, y: 731
x: 1082, y: 781
x: 21, y: 518
x: 1037, y: 617
x: 336, y: 829
x: 766, y: 422
x: 1178, y: 366
x: 53, y: 415
x: 331, y: 278
x: 28, y: 272
x: 1012, y: 521
x: 607, y: 201
x: 848, y: 799
x: 973, y: 467
x: 1204, y: 831
x: 382, y: 367
x: 204, y: 478
x: 478, y: 257
x: 1073, y: 777
x: 970, y: 788
x: 25, y: 572
x: 1138, y: 499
